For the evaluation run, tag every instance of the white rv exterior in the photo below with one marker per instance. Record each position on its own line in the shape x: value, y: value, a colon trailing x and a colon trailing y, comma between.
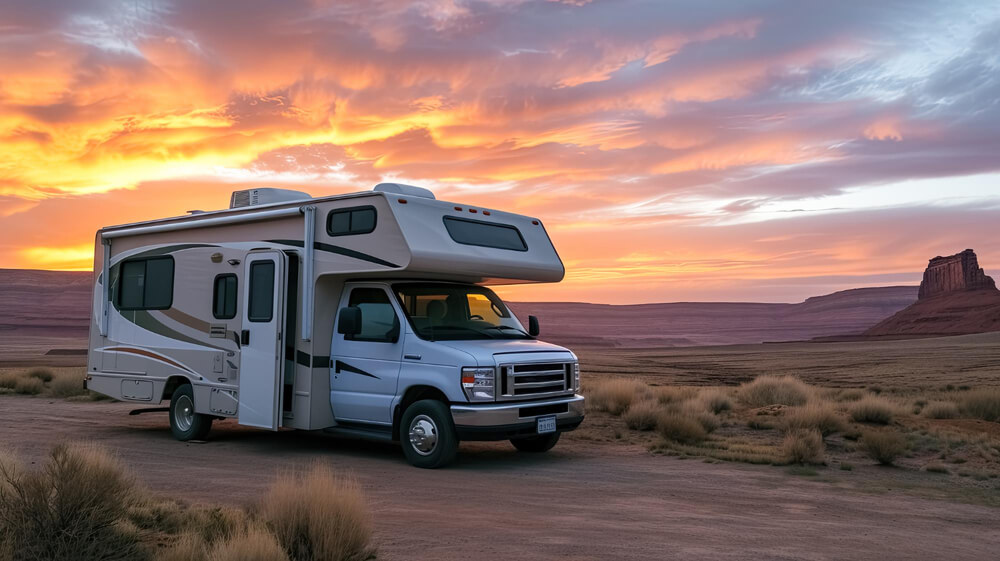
x: 364, y: 314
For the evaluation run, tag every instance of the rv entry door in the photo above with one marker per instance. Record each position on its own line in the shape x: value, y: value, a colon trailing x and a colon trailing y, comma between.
x: 261, y: 339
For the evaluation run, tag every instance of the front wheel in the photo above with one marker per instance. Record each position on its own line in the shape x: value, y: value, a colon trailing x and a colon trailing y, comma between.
x: 536, y: 444
x: 185, y: 424
x: 429, y: 439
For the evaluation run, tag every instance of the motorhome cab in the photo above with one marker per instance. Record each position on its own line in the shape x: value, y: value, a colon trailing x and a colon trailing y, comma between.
x: 364, y: 314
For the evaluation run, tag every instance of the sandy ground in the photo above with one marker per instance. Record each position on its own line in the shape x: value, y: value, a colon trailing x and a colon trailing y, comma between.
x: 583, y: 500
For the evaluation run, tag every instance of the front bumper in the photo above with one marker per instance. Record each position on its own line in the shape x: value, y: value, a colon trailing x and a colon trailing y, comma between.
x: 511, y: 420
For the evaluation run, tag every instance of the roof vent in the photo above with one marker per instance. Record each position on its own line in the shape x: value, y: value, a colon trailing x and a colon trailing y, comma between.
x: 265, y: 196
x: 403, y: 189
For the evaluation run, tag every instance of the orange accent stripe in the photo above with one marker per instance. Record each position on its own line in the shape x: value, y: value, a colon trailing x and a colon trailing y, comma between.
x: 150, y: 354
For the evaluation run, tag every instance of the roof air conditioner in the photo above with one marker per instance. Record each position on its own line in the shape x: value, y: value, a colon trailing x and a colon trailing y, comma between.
x: 265, y: 196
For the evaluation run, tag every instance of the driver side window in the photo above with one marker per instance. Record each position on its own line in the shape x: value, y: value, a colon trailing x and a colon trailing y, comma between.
x: 379, y: 323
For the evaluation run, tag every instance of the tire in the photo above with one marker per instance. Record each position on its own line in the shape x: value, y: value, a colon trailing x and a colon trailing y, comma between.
x: 185, y: 424
x: 427, y: 434
x: 536, y: 444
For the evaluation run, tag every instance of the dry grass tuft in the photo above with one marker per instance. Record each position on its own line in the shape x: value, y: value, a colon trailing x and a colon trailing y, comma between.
x: 43, y: 374
x: 680, y: 428
x: 774, y: 390
x: 883, y: 446
x: 255, y: 543
x: 67, y: 385
x: 715, y: 401
x: 190, y: 547
x: 982, y: 404
x: 318, y: 516
x: 673, y: 394
x: 940, y: 410
x: 851, y: 395
x: 9, y: 379
x: 803, y: 446
x: 29, y: 386
x: 818, y: 416
x: 873, y: 409
x: 614, y: 395
x: 74, y: 508
x: 642, y: 415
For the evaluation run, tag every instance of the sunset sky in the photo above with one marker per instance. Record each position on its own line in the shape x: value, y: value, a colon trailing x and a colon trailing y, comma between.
x: 737, y: 151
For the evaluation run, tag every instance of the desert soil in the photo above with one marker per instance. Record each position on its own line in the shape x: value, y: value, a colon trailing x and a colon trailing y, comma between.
x: 583, y: 500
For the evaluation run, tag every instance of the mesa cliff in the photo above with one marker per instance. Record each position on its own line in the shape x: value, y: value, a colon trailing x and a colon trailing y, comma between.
x: 954, y: 273
x: 956, y: 297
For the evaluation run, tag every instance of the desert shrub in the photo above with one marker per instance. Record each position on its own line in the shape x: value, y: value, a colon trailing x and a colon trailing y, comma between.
x: 883, y: 446
x: 940, y: 410
x: 67, y: 385
x: 850, y: 395
x: 29, y: 386
x: 616, y: 394
x: 190, y: 547
x: 715, y: 401
x: 674, y: 394
x: 255, y: 543
x: 318, y: 516
x: 873, y: 410
x: 73, y: 508
x: 680, y: 428
x: 642, y: 415
x: 816, y: 416
x: 43, y: 374
x: 9, y: 379
x: 803, y: 446
x: 982, y: 404
x: 774, y: 390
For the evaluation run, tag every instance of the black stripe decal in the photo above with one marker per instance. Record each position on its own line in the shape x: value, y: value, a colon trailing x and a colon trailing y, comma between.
x: 339, y: 251
x: 340, y: 365
x: 302, y: 359
x: 321, y: 362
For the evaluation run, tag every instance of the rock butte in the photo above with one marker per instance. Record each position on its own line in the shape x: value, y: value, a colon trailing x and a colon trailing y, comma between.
x: 954, y: 273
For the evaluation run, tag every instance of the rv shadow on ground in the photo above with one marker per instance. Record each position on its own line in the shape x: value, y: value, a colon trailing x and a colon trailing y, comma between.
x: 233, y: 439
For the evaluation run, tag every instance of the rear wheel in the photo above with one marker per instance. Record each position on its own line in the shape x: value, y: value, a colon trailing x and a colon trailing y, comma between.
x: 185, y: 424
x: 428, y: 434
x: 540, y: 443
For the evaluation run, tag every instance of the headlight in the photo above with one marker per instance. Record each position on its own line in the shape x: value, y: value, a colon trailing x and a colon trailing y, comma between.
x: 576, y: 376
x: 478, y: 383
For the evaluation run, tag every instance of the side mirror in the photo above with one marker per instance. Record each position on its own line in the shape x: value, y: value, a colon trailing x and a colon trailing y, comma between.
x: 349, y: 321
x: 533, y: 326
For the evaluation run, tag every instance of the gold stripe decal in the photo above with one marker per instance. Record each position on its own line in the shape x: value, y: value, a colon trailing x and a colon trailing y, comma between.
x: 149, y: 354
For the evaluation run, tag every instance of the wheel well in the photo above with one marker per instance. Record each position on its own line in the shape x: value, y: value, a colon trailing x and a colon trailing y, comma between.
x: 173, y: 383
x: 414, y: 394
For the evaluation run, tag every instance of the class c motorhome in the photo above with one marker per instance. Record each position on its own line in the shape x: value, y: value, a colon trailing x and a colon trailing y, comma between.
x: 364, y: 314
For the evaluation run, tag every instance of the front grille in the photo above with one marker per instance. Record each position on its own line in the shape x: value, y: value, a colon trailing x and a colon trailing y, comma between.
x: 529, y: 381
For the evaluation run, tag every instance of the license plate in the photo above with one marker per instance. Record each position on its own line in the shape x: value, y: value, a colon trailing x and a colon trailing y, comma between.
x: 546, y: 424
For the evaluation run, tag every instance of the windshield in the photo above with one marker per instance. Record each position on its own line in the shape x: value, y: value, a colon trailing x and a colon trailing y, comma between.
x: 452, y: 312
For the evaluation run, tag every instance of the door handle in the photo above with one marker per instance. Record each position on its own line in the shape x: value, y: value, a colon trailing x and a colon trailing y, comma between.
x: 245, y: 337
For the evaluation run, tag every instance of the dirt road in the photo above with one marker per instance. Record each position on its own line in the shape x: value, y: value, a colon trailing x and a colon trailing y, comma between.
x: 581, y: 501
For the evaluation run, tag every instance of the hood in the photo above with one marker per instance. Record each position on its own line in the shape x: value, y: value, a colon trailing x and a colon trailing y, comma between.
x: 492, y: 352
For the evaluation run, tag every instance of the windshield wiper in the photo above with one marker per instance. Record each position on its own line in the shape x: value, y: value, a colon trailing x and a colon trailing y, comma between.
x: 502, y: 327
x: 462, y: 327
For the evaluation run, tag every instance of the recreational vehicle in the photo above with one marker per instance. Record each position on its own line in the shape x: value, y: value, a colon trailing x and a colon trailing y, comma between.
x: 365, y: 314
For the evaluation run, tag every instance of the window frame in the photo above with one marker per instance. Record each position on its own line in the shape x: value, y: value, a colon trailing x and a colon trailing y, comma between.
x: 119, y: 285
x: 447, y: 219
x: 215, y: 295
x: 270, y: 310
x: 350, y: 211
x: 395, y: 314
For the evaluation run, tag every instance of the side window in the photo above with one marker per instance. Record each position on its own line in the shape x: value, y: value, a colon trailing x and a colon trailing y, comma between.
x: 224, y: 297
x: 351, y: 221
x: 146, y: 284
x: 261, y: 291
x: 378, y: 319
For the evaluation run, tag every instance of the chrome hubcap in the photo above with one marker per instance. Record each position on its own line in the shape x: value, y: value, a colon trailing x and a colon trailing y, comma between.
x: 184, y: 413
x: 423, y: 435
